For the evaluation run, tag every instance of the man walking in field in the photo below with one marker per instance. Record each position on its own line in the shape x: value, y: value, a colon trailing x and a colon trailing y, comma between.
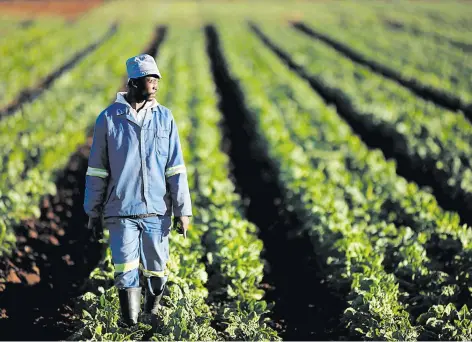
x: 136, y: 179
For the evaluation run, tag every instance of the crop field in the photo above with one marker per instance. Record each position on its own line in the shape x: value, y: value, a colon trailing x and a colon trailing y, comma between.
x: 328, y: 148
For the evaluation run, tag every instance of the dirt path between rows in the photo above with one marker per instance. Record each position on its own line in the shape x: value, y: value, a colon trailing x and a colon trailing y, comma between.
x: 305, y: 308
x: 54, y: 254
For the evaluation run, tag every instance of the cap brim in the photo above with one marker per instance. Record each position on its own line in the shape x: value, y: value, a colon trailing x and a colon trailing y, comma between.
x: 155, y: 75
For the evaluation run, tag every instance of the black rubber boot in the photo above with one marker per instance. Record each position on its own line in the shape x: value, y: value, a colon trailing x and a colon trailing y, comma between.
x: 152, y: 299
x: 130, y: 304
x: 151, y: 303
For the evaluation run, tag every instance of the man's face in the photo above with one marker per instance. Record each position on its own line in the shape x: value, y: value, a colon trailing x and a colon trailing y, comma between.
x: 148, y: 86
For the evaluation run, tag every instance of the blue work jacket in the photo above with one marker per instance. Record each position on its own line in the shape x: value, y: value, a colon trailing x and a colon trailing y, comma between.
x: 136, y: 167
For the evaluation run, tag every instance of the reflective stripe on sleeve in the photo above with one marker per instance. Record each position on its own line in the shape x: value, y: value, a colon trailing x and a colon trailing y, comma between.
x: 175, y: 170
x: 127, y: 266
x: 92, y: 171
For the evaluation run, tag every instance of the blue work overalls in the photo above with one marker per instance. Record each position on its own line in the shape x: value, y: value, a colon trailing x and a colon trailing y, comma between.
x: 137, y: 167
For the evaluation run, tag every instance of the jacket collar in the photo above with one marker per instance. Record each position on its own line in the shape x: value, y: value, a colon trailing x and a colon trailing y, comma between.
x: 120, y: 98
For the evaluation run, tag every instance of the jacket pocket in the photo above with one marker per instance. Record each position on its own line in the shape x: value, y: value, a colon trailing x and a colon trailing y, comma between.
x: 162, y: 142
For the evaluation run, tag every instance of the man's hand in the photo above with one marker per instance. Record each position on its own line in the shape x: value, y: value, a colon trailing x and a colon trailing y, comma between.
x: 182, y: 223
x: 95, y: 224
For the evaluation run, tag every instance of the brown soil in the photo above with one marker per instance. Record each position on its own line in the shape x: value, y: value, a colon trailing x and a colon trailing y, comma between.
x: 66, y: 8
x: 53, y: 257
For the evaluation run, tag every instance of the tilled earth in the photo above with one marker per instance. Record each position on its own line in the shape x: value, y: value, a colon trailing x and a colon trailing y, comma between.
x: 53, y: 257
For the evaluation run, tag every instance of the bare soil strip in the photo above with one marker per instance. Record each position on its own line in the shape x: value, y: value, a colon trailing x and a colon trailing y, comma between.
x: 305, y: 309
x: 54, y: 254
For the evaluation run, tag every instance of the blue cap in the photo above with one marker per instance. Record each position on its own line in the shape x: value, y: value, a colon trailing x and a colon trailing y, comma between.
x: 142, y: 65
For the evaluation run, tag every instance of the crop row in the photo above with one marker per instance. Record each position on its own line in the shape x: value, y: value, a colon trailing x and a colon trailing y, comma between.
x: 28, y: 66
x: 437, y: 229
x: 423, y: 29
x: 444, y: 18
x: 232, y: 246
x: 444, y: 15
x: 321, y: 205
x: 341, y: 184
x: 442, y: 243
x: 422, y: 61
x: 427, y: 139
x: 11, y: 25
x: 34, y: 56
x: 427, y: 22
x: 219, y: 234
x: 230, y: 242
x: 17, y: 41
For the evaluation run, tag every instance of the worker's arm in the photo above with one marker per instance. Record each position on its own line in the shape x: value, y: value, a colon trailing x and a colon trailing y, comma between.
x: 176, y: 175
x: 98, y: 170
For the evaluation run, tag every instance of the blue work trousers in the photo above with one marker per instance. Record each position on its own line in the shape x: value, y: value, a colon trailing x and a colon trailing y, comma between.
x: 139, y: 244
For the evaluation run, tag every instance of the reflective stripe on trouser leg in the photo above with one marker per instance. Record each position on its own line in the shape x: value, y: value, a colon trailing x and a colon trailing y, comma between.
x: 125, y: 245
x: 155, y: 247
